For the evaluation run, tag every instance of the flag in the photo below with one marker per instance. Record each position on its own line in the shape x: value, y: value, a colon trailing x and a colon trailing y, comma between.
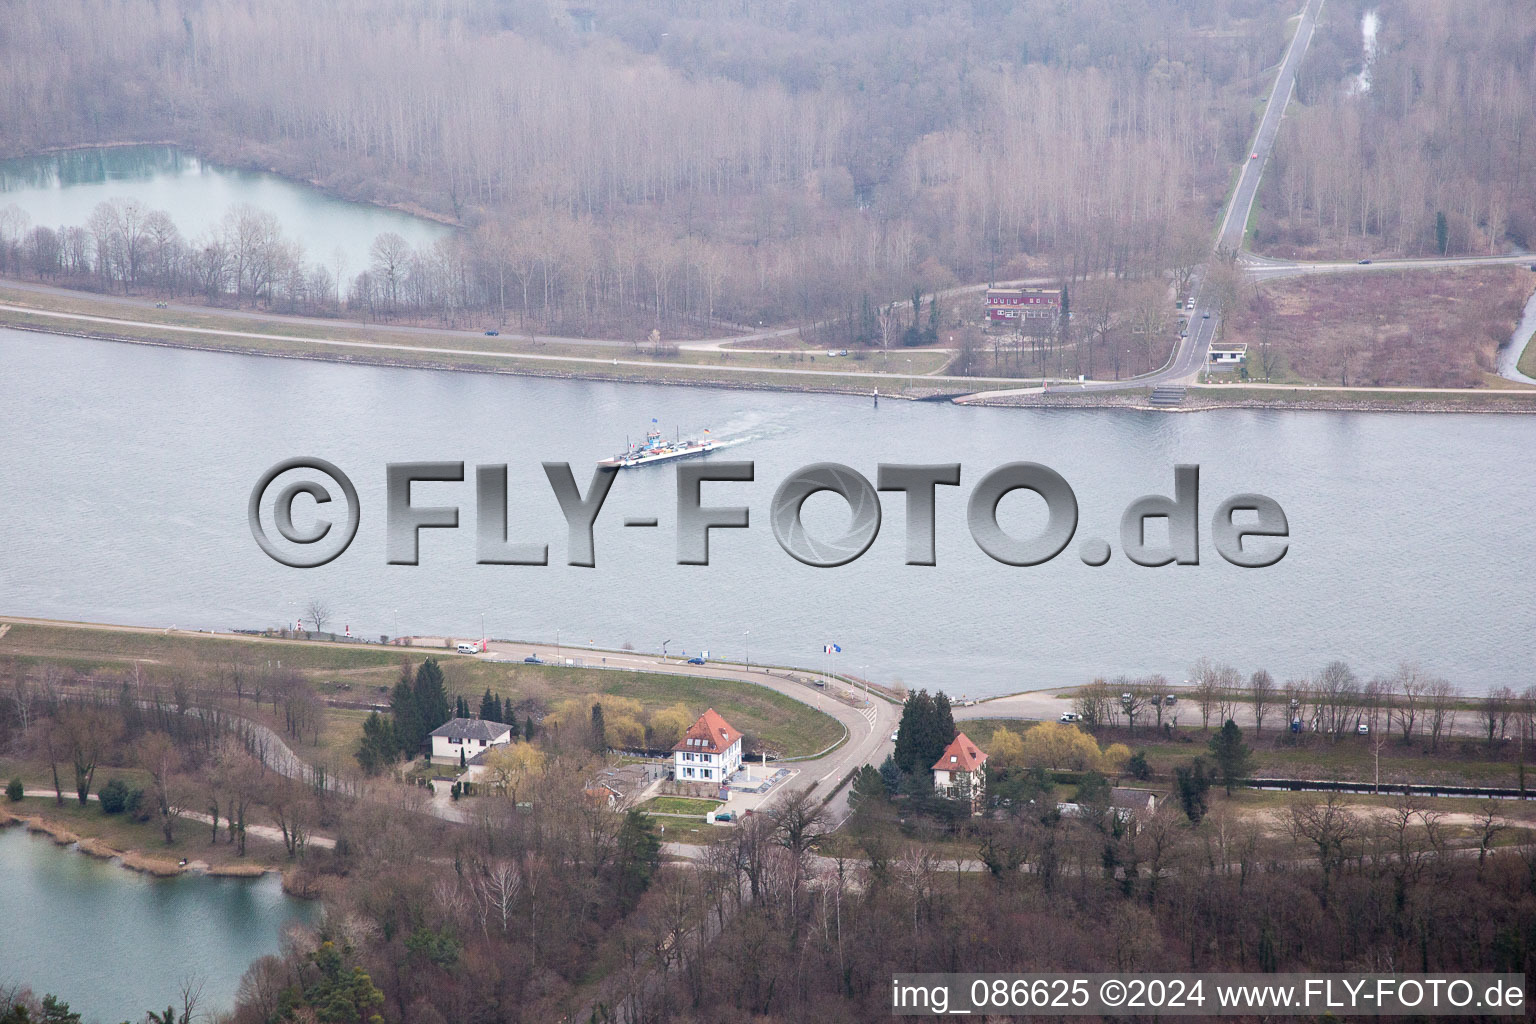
x: 653, y: 419
x: 831, y: 649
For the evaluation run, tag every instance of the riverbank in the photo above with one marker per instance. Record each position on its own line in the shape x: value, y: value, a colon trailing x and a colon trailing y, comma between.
x: 244, y: 333
x: 130, y: 844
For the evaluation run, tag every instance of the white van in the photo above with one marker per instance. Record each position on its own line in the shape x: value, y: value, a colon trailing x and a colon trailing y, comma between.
x: 469, y: 648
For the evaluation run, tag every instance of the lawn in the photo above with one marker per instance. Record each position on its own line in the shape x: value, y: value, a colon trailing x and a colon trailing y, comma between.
x: 680, y: 805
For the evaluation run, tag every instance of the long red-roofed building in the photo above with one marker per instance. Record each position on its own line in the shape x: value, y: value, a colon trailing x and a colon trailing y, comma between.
x: 710, y: 751
x: 960, y: 772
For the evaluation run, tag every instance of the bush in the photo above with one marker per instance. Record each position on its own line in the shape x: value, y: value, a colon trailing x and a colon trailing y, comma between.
x: 1138, y: 768
x: 114, y: 797
x: 136, y: 806
x: 13, y: 791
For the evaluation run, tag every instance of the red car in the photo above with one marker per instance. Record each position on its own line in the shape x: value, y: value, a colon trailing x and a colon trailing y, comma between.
x: 1253, y: 156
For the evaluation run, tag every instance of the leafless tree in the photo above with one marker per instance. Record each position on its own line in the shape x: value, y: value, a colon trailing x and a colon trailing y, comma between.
x: 319, y: 613
x: 1261, y: 688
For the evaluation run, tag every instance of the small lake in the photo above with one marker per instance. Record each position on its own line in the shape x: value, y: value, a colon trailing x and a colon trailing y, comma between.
x: 114, y: 943
x: 61, y: 189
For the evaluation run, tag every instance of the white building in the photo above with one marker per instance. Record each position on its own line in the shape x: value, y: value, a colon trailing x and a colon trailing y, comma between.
x: 960, y: 772
x: 709, y: 752
x: 466, y: 737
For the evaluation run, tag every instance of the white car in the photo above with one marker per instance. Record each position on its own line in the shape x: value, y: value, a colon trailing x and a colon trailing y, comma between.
x: 469, y: 648
x: 894, y: 735
x: 1070, y: 716
x: 1362, y: 729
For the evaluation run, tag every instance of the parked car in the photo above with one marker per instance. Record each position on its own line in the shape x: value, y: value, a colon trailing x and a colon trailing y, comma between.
x: 695, y: 661
x: 894, y: 735
x: 159, y: 305
x: 724, y: 816
x: 1170, y: 699
x: 468, y: 648
x: 1362, y: 729
x: 492, y: 334
x: 1070, y: 716
x: 533, y: 659
x: 1365, y: 263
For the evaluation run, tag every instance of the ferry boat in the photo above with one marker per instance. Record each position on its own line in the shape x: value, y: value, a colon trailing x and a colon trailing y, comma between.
x: 655, y: 448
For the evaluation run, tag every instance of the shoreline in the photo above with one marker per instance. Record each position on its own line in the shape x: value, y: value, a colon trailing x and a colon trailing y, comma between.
x: 1305, y: 399
x: 131, y: 860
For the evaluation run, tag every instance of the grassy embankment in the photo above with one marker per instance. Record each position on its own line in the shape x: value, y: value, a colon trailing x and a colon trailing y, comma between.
x: 360, y: 676
x: 510, y: 353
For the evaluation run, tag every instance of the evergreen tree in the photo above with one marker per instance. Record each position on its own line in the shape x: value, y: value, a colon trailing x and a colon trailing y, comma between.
x: 867, y: 790
x: 890, y: 773
x: 943, y: 723
x: 1192, y: 785
x: 599, y: 729
x: 933, y: 317
x: 504, y: 713
x: 1442, y: 233
x: 1234, y: 760
x: 431, y: 698
x: 914, y: 713
x: 402, y: 706
x: 379, y: 746
x: 460, y: 708
x: 529, y: 728
x: 637, y: 857
x: 488, y: 709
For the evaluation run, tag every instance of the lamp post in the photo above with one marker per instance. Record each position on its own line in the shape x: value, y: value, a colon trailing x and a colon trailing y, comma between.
x: 664, y: 649
x: 748, y: 645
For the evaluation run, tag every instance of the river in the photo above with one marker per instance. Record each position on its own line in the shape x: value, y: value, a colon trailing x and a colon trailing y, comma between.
x: 114, y: 944
x: 61, y: 189
x: 127, y: 470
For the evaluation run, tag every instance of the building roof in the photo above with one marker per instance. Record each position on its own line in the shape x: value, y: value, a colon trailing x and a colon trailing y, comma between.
x: 711, y: 734
x: 960, y: 756
x: 459, y: 729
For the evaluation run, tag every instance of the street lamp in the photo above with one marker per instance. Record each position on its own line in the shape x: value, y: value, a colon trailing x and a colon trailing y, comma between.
x: 747, y: 644
x: 664, y: 649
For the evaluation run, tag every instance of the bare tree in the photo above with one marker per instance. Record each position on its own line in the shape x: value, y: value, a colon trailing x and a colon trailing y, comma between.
x: 319, y: 612
x: 1261, y: 687
x: 1442, y: 697
x: 1407, y: 694
x: 1204, y: 674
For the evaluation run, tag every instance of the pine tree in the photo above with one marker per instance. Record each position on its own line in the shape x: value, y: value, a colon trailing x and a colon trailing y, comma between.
x: 1233, y: 758
x: 379, y: 746
x: 933, y: 317
x: 488, y: 709
x: 529, y: 728
x: 407, y: 716
x: 599, y: 729
x: 504, y: 713
x: 460, y: 708
x: 431, y: 697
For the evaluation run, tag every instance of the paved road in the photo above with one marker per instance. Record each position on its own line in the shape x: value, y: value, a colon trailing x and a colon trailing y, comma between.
x: 1265, y: 268
x: 1189, y: 356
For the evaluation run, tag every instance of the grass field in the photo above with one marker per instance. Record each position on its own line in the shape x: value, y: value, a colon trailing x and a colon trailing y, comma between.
x: 680, y: 805
x: 359, y: 674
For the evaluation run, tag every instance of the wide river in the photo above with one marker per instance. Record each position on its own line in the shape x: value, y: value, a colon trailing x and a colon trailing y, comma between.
x: 126, y: 473
x: 114, y: 944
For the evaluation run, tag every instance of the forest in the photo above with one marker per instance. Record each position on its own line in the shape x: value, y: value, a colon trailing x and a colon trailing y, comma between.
x: 671, y: 164
x: 1422, y: 152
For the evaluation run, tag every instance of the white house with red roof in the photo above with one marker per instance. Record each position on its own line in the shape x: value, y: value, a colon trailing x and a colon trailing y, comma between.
x: 961, y: 771
x: 709, y: 752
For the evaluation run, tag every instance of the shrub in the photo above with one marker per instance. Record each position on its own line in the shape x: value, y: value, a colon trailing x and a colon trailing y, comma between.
x: 114, y: 797
x: 1137, y: 766
x: 14, y: 790
x: 136, y: 806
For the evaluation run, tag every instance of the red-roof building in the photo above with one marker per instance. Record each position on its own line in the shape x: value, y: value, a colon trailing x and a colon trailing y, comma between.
x: 960, y: 772
x: 1010, y: 305
x: 709, y: 752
